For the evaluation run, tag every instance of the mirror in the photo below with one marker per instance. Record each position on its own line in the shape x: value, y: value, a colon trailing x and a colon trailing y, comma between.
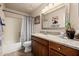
x: 55, y: 18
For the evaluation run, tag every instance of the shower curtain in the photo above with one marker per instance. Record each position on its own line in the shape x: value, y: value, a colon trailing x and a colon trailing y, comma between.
x: 26, y: 29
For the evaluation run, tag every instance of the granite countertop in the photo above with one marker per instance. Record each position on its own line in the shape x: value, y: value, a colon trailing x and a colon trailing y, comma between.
x: 64, y: 41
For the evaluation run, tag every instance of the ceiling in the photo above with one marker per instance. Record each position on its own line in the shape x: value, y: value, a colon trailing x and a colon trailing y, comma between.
x: 23, y: 7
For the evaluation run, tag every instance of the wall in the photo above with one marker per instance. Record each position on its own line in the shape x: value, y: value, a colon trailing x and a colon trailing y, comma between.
x: 37, y: 28
x: 73, y: 18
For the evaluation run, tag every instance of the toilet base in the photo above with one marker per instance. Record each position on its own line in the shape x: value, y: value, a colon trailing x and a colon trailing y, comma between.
x: 27, y: 46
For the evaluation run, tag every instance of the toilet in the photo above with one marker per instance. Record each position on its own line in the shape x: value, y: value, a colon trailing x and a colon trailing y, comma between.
x: 27, y: 46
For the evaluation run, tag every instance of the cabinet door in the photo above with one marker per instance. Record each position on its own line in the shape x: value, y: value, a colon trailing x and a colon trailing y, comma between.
x: 43, y: 50
x: 34, y: 47
x: 38, y: 49
x: 54, y: 53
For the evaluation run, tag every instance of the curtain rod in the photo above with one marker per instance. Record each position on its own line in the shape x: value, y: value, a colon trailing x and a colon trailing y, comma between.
x: 13, y: 12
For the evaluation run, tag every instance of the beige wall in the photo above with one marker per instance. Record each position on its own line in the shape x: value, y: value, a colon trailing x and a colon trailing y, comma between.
x: 74, y: 18
x: 37, y: 28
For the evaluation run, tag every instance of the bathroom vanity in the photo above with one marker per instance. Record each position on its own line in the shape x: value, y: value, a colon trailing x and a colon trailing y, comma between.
x: 49, y: 45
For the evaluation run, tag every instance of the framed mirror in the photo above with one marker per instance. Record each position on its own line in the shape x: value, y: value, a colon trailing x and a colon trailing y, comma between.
x: 56, y: 17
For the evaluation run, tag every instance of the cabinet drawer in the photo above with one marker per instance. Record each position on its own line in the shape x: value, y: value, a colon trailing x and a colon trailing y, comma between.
x: 63, y: 49
x: 54, y: 53
x: 55, y: 46
x: 40, y: 40
x: 69, y: 51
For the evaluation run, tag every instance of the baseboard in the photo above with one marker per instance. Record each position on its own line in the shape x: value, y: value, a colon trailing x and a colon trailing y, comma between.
x: 11, y: 48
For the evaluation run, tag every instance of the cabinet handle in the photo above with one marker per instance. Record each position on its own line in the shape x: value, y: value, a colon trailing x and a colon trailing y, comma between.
x: 59, y: 48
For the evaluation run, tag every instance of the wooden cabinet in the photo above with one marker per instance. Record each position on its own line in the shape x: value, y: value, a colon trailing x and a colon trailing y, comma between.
x: 64, y: 50
x: 39, y: 48
x: 43, y: 47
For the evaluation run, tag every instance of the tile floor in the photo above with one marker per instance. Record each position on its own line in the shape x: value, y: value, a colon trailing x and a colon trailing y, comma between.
x: 19, y: 53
